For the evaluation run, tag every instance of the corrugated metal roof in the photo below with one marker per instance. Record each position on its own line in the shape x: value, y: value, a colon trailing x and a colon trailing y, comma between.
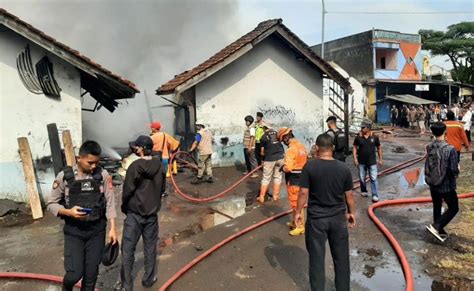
x: 407, y: 98
x: 262, y: 28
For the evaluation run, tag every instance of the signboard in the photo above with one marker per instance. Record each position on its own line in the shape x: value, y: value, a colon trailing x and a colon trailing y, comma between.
x: 422, y: 87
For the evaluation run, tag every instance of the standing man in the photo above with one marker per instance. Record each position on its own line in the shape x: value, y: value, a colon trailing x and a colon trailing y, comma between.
x: 249, y: 146
x: 273, y: 153
x: 295, y: 159
x: 455, y: 134
x: 441, y: 171
x: 259, y: 131
x: 160, y: 143
x: 338, y: 139
x: 331, y: 208
x: 364, y: 148
x: 421, y: 119
x: 467, y: 120
x: 83, y: 196
x: 393, y: 115
x: 141, y: 200
x: 404, y: 116
x: 203, y: 144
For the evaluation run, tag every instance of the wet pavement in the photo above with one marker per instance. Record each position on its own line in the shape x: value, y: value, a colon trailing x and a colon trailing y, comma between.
x: 264, y: 259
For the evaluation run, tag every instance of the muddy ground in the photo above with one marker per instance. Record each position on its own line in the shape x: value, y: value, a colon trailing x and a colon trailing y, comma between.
x: 269, y: 254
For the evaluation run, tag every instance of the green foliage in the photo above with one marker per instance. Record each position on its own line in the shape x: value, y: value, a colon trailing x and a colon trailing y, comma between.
x: 458, y: 44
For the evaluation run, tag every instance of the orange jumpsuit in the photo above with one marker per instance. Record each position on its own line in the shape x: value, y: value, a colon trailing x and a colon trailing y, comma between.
x: 295, y: 159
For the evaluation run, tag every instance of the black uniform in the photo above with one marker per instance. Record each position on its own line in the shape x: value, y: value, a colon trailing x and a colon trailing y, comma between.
x: 339, y: 142
x: 141, y: 200
x: 83, y: 239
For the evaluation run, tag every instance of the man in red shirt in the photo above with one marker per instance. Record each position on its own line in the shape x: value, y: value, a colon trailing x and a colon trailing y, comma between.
x: 455, y: 134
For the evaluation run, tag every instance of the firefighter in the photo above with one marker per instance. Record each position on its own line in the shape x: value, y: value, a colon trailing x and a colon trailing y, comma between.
x: 83, y: 196
x: 295, y: 159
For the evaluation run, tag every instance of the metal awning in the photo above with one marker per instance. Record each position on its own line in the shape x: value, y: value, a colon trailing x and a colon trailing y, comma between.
x: 406, y: 98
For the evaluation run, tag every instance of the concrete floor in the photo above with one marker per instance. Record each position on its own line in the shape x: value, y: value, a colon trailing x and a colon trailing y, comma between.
x: 264, y: 259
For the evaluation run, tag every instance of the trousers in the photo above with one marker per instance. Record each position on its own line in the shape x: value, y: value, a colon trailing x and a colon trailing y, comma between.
x: 451, y: 199
x: 334, y: 230
x: 372, y: 171
x: 134, y: 227
x: 82, y: 255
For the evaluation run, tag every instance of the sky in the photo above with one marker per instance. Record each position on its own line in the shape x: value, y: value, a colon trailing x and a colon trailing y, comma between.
x: 148, y: 42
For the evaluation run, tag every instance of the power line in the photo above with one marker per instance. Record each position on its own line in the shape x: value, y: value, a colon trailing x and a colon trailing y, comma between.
x: 399, y: 12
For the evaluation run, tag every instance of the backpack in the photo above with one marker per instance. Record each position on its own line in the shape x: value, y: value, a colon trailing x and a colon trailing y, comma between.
x: 339, y: 140
x: 435, y: 167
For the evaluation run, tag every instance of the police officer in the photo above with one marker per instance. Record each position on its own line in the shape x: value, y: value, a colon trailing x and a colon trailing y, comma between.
x: 338, y: 139
x: 83, y: 196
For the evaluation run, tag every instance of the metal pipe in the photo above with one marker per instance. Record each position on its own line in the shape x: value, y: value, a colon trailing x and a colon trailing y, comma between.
x: 322, y: 31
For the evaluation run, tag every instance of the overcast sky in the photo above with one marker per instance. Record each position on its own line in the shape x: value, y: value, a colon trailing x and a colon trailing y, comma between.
x: 151, y: 41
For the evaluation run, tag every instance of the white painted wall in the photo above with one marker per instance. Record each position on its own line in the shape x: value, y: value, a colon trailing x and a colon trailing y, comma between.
x: 24, y: 114
x: 269, y: 79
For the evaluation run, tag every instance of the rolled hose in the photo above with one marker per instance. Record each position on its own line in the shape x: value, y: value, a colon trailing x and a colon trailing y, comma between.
x: 201, y: 257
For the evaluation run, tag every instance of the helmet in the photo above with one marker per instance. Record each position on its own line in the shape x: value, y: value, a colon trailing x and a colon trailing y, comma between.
x: 282, y: 132
x: 110, y: 254
x: 249, y: 118
x: 155, y: 125
x: 199, y: 122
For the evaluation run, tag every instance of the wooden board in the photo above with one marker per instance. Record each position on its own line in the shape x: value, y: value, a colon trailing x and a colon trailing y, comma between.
x: 69, y: 148
x: 30, y: 178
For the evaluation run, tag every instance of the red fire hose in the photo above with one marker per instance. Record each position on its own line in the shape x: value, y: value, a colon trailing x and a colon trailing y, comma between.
x: 32, y: 276
x: 207, y: 199
x: 198, y: 259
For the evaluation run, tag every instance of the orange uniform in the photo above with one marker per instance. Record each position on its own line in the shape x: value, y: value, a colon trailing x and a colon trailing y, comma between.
x: 163, y: 142
x: 295, y: 159
x: 455, y: 135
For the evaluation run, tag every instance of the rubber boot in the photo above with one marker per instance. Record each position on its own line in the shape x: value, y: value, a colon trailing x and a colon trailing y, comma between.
x: 276, y: 192
x: 175, y: 167
x: 263, y: 191
x: 299, y: 229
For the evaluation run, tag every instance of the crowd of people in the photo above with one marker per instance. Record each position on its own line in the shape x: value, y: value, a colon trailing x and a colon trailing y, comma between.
x: 83, y: 194
x: 421, y: 117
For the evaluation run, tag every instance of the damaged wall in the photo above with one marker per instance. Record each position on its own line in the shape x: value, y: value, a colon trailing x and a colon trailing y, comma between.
x: 270, y: 78
x: 25, y: 114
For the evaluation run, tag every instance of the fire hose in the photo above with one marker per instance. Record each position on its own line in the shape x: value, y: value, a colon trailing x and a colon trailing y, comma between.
x: 394, y: 243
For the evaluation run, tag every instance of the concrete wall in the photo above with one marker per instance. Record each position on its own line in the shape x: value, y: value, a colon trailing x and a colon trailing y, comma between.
x: 24, y: 114
x: 353, y: 53
x: 269, y: 79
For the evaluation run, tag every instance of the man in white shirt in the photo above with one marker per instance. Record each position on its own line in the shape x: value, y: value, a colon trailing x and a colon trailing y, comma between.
x: 467, y: 121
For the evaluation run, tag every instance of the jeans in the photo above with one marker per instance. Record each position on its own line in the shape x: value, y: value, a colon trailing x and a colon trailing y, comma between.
x: 134, y: 227
x: 451, y: 199
x: 334, y: 230
x: 372, y: 171
x: 165, y: 163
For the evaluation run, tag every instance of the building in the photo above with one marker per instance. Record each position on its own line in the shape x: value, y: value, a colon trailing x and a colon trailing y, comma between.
x: 387, y: 63
x: 269, y: 70
x: 44, y: 81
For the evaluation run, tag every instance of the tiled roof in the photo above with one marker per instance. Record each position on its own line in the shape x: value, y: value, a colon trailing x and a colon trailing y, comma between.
x: 263, y: 27
x: 5, y: 15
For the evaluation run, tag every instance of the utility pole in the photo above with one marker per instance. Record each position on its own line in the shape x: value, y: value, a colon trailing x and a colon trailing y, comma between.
x: 322, y: 31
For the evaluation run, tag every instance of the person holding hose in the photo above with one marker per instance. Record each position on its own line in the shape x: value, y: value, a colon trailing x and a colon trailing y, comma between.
x: 294, y: 161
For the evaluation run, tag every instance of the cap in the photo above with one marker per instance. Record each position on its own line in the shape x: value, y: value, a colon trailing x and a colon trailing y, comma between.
x: 199, y: 122
x: 331, y: 118
x: 142, y: 141
x: 110, y: 254
x: 156, y: 125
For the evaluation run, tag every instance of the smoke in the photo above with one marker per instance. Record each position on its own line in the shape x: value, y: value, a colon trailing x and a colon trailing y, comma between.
x: 147, y: 42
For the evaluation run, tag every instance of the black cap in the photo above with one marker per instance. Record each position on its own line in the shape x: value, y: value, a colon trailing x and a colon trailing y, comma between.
x: 110, y: 254
x: 142, y: 141
x: 331, y: 118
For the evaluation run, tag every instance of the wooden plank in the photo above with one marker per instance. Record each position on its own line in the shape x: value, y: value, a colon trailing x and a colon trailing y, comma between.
x: 30, y: 178
x: 55, y: 145
x: 69, y: 148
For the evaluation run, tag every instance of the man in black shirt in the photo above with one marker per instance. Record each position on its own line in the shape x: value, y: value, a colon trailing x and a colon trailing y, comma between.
x: 365, y: 146
x: 338, y: 139
x: 273, y: 153
x: 331, y: 208
x: 141, y: 200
